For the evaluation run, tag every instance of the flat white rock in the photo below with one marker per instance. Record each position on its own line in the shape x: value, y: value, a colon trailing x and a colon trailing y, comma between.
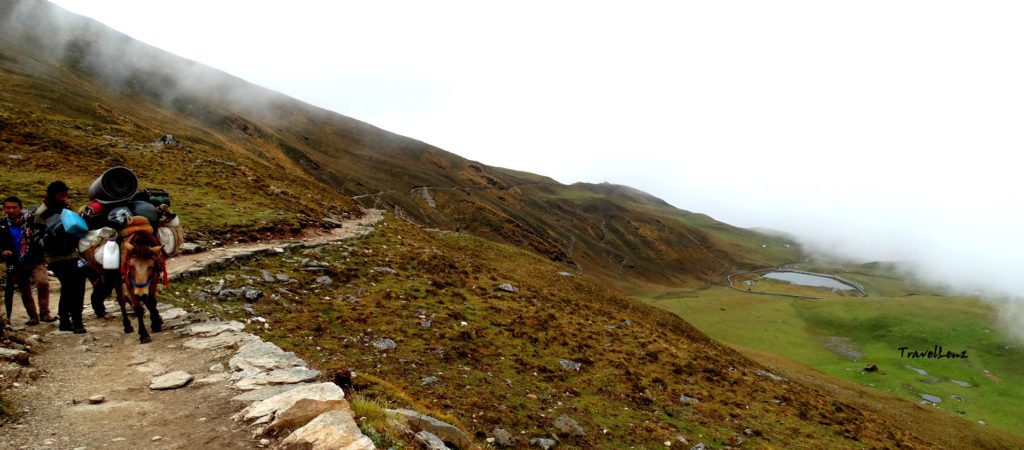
x: 172, y: 380
x: 263, y: 356
x: 332, y: 430
x: 222, y: 340
x: 209, y: 329
x: 290, y: 375
x: 284, y: 400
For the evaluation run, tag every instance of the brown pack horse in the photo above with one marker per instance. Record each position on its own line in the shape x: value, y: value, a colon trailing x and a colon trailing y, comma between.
x: 142, y: 266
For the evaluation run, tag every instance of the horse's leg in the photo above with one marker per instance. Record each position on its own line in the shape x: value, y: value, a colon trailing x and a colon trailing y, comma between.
x: 140, y: 311
x: 124, y: 313
x: 154, y: 315
x: 118, y: 289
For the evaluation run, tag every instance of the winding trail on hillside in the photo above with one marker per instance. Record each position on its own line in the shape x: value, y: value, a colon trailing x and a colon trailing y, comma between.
x: 54, y: 409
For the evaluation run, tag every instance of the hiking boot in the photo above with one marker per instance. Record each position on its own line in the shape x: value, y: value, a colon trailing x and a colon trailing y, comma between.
x: 79, y: 330
x: 64, y: 327
x: 48, y: 319
x: 32, y: 322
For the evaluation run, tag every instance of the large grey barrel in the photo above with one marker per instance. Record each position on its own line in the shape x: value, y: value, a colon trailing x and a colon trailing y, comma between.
x: 115, y: 185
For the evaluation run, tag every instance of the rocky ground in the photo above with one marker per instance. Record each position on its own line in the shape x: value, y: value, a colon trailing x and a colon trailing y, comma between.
x: 186, y: 389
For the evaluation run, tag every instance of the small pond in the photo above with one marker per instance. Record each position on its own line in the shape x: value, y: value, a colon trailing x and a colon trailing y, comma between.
x: 804, y: 279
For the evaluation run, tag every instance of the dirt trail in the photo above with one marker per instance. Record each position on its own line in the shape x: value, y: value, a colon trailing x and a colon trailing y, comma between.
x: 54, y: 409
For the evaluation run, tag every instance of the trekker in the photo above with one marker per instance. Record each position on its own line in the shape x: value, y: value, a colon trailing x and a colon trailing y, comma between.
x: 62, y: 258
x: 26, y: 266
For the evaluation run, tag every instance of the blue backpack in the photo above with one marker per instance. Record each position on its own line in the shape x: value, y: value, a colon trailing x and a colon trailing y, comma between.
x: 73, y: 223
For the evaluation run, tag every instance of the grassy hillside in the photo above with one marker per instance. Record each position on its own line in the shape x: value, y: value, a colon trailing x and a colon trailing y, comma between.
x: 78, y: 97
x: 840, y: 335
x: 58, y: 121
x: 495, y: 357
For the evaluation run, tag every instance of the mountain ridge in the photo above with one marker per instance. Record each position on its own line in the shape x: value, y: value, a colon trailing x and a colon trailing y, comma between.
x: 590, y: 226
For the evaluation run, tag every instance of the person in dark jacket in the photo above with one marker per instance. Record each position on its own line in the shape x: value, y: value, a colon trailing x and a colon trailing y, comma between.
x: 62, y: 260
x: 25, y: 264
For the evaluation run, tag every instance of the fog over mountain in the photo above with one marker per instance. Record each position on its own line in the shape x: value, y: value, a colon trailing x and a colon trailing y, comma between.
x: 874, y: 131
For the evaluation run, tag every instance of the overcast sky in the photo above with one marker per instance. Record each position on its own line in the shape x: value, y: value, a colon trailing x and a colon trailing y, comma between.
x: 878, y: 129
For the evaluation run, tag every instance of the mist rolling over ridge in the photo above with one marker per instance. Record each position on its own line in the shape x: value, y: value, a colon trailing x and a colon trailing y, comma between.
x: 787, y: 225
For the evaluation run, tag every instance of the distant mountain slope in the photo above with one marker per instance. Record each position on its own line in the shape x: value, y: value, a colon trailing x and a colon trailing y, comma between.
x: 71, y: 83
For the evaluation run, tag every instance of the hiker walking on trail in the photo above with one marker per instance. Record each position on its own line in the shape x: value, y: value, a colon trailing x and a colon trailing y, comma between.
x: 62, y: 256
x: 26, y: 266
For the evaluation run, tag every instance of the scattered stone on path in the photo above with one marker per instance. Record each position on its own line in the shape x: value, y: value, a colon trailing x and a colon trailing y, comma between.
x: 428, y: 381
x: 218, y: 367
x: 430, y: 442
x: 97, y: 399
x: 446, y: 431
x: 565, y: 274
x: 282, y: 278
x: 503, y: 438
x: 961, y: 383
x: 331, y: 430
x: 173, y: 380
x: 267, y: 276
x: 570, y: 364
x: 384, y: 344
x: 323, y: 281
x: 156, y: 438
x: 871, y: 368
x: 507, y: 287
x: 567, y: 425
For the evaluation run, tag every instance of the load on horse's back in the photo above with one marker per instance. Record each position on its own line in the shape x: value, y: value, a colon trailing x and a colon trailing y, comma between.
x: 132, y: 234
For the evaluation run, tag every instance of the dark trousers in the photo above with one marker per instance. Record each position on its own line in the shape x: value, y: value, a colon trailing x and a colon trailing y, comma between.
x: 19, y: 278
x: 23, y: 279
x: 72, y: 292
x: 102, y: 287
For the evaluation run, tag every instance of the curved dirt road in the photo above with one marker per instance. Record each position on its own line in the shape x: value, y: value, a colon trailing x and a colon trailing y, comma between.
x: 54, y: 409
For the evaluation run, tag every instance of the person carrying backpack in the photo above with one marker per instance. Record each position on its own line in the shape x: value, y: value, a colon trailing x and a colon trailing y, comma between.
x: 61, y: 256
x: 25, y: 264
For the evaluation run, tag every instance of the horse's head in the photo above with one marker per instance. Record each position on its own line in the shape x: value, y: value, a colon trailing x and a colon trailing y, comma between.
x: 141, y: 257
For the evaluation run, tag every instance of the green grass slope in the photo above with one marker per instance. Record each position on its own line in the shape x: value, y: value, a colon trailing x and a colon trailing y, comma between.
x: 840, y: 335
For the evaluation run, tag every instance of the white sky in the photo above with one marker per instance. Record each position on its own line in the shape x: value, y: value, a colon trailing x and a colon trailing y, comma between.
x: 879, y: 129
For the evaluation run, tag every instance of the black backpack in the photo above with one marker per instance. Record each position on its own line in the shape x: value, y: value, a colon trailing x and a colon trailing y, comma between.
x: 57, y: 241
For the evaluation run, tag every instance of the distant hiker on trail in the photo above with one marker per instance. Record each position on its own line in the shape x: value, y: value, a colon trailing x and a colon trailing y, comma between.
x: 61, y: 251
x: 26, y: 266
